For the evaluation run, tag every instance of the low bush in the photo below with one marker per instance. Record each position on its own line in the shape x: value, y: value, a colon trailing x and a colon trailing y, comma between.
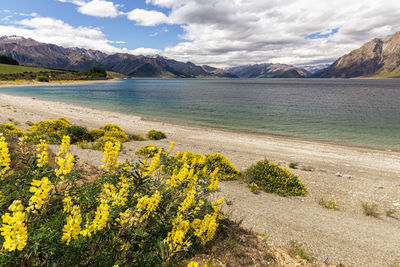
x: 77, y: 133
x: 132, y: 214
x: 136, y: 137
x: 328, y: 204
x: 120, y: 136
x: 101, y: 142
x: 8, y: 128
x: 272, y: 178
x: 370, y: 209
x: 147, y: 151
x: 96, y: 134
x: 51, y: 131
x: 43, y: 79
x: 111, y: 127
x: 156, y: 135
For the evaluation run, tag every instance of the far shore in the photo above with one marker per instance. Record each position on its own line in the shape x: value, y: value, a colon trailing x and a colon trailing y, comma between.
x: 349, y: 175
x: 51, y: 83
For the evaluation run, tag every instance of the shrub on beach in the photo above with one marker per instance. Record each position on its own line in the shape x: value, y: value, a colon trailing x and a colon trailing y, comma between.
x: 225, y: 169
x: 273, y: 178
x: 43, y: 79
x: 147, y: 151
x: 50, y: 130
x: 156, y: 135
x: 133, y: 214
x: 11, y: 129
x: 96, y: 134
x: 101, y: 142
x: 77, y: 133
x: 111, y: 127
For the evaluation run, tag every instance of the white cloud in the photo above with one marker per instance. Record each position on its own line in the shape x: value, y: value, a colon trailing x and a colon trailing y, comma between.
x: 233, y: 32
x: 96, y: 8
x: 99, y: 8
x: 54, y: 31
x: 147, y: 18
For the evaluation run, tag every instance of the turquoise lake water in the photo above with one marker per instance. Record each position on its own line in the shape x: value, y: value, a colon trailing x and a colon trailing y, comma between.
x: 359, y: 112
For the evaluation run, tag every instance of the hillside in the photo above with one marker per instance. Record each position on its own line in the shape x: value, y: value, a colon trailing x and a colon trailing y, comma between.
x: 268, y: 70
x: 30, y: 52
x: 12, y: 69
x: 379, y: 58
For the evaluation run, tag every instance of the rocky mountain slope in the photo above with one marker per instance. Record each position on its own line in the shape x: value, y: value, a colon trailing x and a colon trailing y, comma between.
x: 376, y: 58
x: 268, y: 70
x: 32, y: 53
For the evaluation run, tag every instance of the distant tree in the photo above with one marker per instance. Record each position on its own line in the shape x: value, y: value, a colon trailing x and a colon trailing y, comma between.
x: 96, y: 72
x: 8, y: 60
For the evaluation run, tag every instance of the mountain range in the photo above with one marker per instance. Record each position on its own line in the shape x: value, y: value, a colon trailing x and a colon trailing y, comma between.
x: 32, y: 53
x: 379, y: 57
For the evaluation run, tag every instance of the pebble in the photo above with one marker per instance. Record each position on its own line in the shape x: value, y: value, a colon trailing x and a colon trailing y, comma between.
x: 339, y: 174
x: 348, y: 176
x: 379, y: 187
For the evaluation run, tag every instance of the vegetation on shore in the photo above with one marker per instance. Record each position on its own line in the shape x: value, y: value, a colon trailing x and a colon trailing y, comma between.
x: 152, y: 212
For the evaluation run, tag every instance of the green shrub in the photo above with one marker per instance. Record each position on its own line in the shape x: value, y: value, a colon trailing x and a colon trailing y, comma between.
x: 8, y: 128
x: 49, y: 130
x: 126, y: 216
x: 293, y: 165
x: 96, y: 72
x: 77, y: 133
x: 226, y: 168
x: 272, y: 178
x: 111, y: 127
x: 370, y: 209
x: 101, y: 142
x: 136, y: 137
x: 156, y: 135
x: 29, y: 123
x: 96, y: 134
x: 329, y: 204
x: 147, y: 151
x: 118, y: 135
x: 43, y: 79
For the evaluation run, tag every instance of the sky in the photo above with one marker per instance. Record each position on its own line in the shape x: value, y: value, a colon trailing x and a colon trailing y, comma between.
x: 220, y: 33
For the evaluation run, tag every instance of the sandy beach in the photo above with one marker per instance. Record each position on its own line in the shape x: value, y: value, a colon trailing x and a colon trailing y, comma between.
x: 344, y: 236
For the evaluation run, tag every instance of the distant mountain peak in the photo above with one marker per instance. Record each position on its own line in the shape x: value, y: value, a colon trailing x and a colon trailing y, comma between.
x: 379, y: 57
x: 268, y: 70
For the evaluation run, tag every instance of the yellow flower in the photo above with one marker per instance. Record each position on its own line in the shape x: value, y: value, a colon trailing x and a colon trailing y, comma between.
x: 41, y: 190
x: 208, y: 226
x: 148, y: 204
x: 4, y: 157
x: 64, y: 160
x: 125, y: 246
x: 176, y: 238
x: 67, y: 201
x: 153, y: 164
x: 43, y: 157
x: 101, y: 217
x: 189, y: 200
x: 214, y: 180
x: 110, y: 158
x: 73, y: 227
x: 14, y: 229
x: 171, y: 147
x: 193, y: 264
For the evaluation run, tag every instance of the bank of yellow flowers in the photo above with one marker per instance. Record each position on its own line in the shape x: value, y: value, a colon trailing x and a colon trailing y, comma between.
x: 134, y: 214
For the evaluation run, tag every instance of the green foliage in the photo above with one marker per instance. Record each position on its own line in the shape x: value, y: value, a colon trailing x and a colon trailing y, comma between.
x: 272, y: 178
x: 136, y: 137
x: 96, y: 72
x: 49, y: 130
x: 226, y: 168
x: 147, y: 151
x: 156, y: 135
x: 293, y: 165
x: 101, y: 142
x: 370, y: 209
x: 111, y: 127
x: 297, y: 249
x: 43, y: 79
x: 77, y: 134
x: 8, y: 60
x: 96, y: 134
x: 147, y: 235
x: 8, y: 128
x: 120, y: 136
x: 14, y: 69
x: 328, y: 204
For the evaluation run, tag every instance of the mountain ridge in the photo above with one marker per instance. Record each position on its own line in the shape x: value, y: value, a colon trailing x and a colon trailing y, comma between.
x: 269, y: 70
x: 33, y: 53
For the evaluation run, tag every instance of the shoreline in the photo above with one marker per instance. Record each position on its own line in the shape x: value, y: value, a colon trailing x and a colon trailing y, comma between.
x: 367, y: 175
x: 10, y: 84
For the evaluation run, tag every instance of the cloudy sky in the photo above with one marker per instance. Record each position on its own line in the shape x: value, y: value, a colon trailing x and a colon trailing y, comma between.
x: 215, y: 32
